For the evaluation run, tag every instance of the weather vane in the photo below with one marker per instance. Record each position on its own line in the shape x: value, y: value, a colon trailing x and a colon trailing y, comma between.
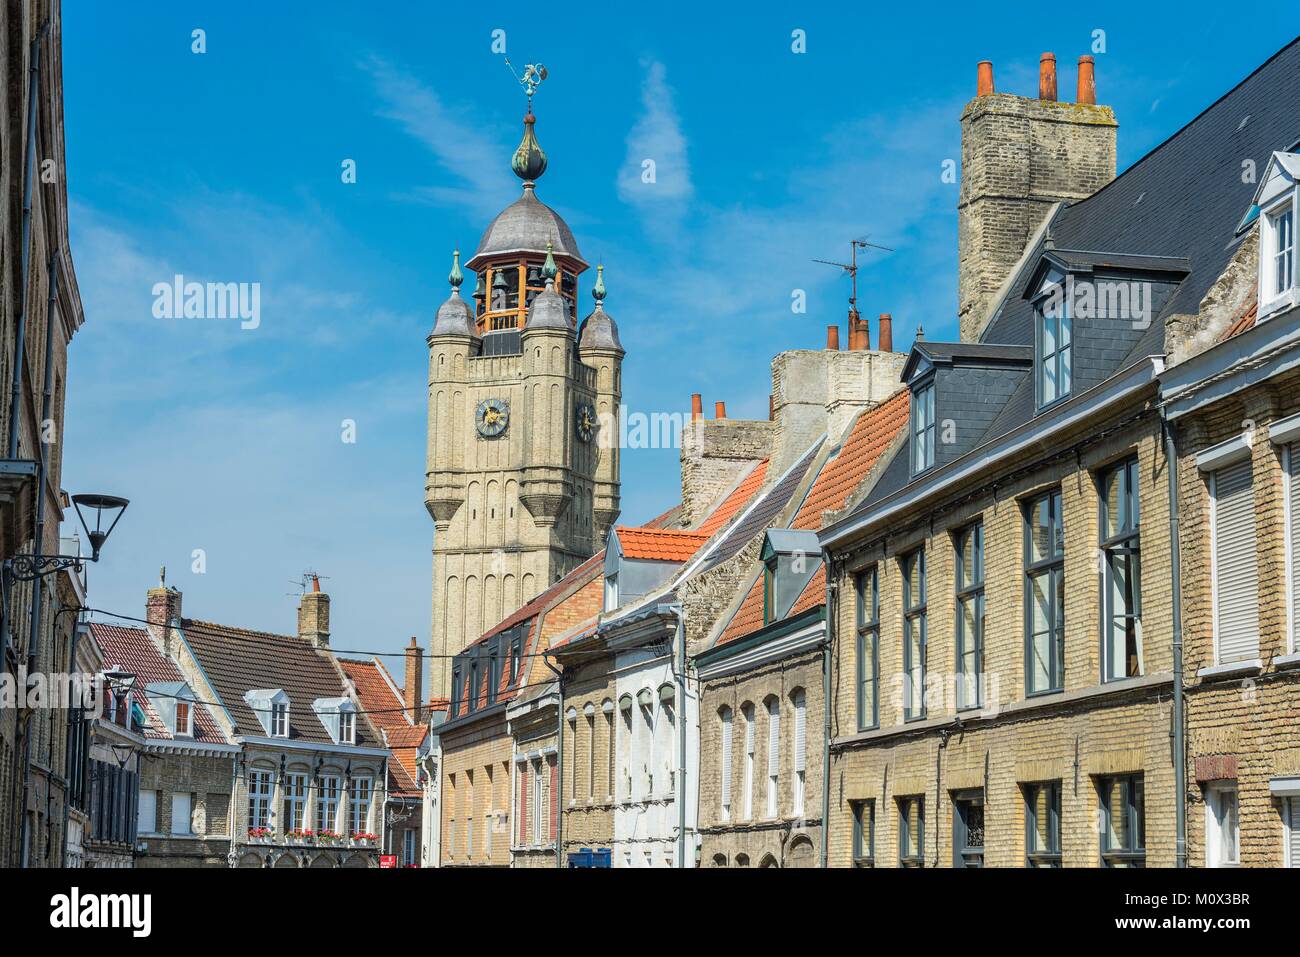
x: 534, y: 74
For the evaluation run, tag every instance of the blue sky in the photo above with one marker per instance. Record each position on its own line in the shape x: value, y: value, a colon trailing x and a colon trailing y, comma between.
x: 225, y: 166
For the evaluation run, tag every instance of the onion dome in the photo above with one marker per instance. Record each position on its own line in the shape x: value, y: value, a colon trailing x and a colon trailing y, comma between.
x: 599, y: 330
x: 549, y: 310
x: 455, y: 318
x: 529, y: 161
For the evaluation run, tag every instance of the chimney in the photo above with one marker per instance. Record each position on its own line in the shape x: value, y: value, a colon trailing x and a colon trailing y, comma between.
x: 414, y: 681
x: 833, y: 337
x: 886, y: 332
x: 162, y: 607
x: 984, y: 78
x: 314, y: 616
x: 1087, y: 93
x: 697, y: 406
x: 1020, y: 156
x: 1047, y: 77
x: 719, y: 410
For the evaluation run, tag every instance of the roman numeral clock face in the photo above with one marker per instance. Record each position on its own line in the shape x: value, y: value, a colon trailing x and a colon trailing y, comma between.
x: 491, y: 418
x: 584, y: 421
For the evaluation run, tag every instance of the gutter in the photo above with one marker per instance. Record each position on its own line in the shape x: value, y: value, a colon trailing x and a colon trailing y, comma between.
x: 1175, y: 574
x: 827, y: 646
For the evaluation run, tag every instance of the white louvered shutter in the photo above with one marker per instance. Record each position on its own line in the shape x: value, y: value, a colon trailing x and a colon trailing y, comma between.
x: 726, y: 763
x: 1235, y: 570
x: 1293, y: 831
x: 800, y: 731
x: 773, y: 739
x: 1293, y: 463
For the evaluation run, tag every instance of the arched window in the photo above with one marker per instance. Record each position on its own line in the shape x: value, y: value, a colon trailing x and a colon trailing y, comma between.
x: 665, y: 739
x: 725, y: 719
x: 719, y: 860
x: 742, y: 860
x: 607, y: 710
x: 747, y: 710
x: 589, y: 712
x: 773, y: 752
x: 628, y: 749
x: 799, y: 704
x: 571, y: 753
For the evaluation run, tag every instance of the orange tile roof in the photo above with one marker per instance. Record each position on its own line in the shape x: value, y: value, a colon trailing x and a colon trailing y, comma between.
x: 669, y: 519
x: 737, y: 500
x: 1243, y: 322
x: 660, y: 545
x: 379, y: 699
x: 872, y: 434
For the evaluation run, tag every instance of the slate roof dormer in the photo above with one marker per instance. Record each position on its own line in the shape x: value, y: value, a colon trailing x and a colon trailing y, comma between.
x: 1277, y: 206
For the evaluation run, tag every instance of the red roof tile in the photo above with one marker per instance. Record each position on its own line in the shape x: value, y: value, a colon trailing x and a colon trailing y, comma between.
x: 660, y: 545
x: 1243, y: 322
x: 378, y: 696
x: 737, y: 500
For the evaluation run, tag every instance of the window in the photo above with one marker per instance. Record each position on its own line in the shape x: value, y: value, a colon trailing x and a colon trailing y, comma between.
x: 279, y: 719
x: 922, y: 427
x: 769, y: 590
x: 725, y: 720
x: 968, y: 829
x: 327, y: 803
x: 747, y: 711
x: 184, y: 719
x: 146, y: 819
x: 1280, y: 267
x: 347, y: 726
x: 1222, y: 837
x: 773, y: 753
x: 1234, y: 571
x: 182, y: 803
x: 471, y: 692
x: 295, y: 802
x: 259, y: 798
x: 359, y: 806
x: 611, y: 592
x: 517, y: 654
x: 868, y: 593
x: 911, y: 831
x: 1054, y: 345
x: 538, y: 807
x: 914, y: 636
x: 799, y: 703
x: 1291, y: 831
x: 608, y: 709
x: 970, y: 617
x: 864, y: 833
x: 625, y: 709
x: 410, y: 847
x: 1123, y: 824
x: 1043, y: 824
x: 455, y: 687
x: 1122, y: 598
x: 590, y: 713
x: 1044, y: 601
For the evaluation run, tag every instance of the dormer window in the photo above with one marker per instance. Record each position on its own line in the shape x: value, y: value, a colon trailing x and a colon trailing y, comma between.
x: 1053, y: 341
x: 271, y: 708
x: 173, y: 702
x: 611, y: 592
x: 184, y: 720
x: 339, y: 717
x: 1278, y: 200
x: 922, y: 426
x: 279, y: 720
x: 347, y: 727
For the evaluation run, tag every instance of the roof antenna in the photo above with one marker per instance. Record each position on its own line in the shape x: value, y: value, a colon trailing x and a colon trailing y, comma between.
x: 851, y: 267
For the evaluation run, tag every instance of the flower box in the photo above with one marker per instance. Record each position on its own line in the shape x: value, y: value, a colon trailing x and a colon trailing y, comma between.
x: 261, y: 835
x: 306, y: 836
x: 363, y: 840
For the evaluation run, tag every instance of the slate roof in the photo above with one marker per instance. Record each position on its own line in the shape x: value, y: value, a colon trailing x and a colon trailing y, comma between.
x: 132, y: 650
x: 526, y: 225
x: 1182, y: 200
x: 659, y: 545
x: 238, y: 660
x: 735, y: 500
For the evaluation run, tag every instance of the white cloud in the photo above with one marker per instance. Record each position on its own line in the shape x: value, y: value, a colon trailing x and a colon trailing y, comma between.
x: 656, y: 139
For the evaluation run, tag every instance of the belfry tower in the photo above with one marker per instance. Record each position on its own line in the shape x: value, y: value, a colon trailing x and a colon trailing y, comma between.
x: 522, y: 473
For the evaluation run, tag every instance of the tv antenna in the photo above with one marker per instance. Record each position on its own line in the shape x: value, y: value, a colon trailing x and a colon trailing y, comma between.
x: 851, y: 267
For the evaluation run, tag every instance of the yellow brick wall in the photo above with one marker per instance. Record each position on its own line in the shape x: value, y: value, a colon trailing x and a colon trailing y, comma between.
x: 476, y: 786
x: 590, y: 786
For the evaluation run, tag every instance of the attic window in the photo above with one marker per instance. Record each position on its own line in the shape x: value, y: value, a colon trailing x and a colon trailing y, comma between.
x: 347, y: 727
x: 184, y: 724
x: 769, y: 590
x: 1053, y: 345
x: 1278, y: 200
x: 279, y: 720
x: 922, y: 427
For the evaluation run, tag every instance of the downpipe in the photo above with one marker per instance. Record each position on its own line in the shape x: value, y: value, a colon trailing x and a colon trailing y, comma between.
x: 1180, y: 692
x: 827, y: 646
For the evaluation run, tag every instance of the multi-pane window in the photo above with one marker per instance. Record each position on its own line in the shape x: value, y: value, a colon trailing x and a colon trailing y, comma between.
x: 1123, y: 820
x: 280, y: 719
x: 1043, y: 824
x: 868, y: 625
x: 347, y: 726
x: 359, y: 805
x: 1234, y: 570
x: 183, y: 717
x: 1120, y: 520
x: 1222, y: 833
x: 968, y: 829
x: 864, y: 833
x: 922, y: 427
x: 539, y: 811
x: 725, y: 718
x: 914, y: 635
x: 327, y: 802
x: 1283, y: 249
x: 911, y: 831
x: 410, y: 847
x: 295, y: 801
x: 970, y: 616
x: 1044, y: 600
x: 260, y: 784
x: 1054, y: 348
x: 773, y: 753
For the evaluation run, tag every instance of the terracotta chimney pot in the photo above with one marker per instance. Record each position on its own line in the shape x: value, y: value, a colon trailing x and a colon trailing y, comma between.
x: 697, y: 406
x: 833, y: 337
x: 1047, y: 76
x: 886, y: 332
x: 719, y: 410
x: 984, y: 78
x: 1087, y: 81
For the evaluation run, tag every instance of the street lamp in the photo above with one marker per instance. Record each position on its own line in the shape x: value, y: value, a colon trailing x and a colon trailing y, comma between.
x: 107, y: 510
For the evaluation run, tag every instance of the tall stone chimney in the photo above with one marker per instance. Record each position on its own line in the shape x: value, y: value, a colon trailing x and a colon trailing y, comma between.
x: 314, y: 616
x: 414, y: 681
x: 162, y: 607
x: 1019, y: 157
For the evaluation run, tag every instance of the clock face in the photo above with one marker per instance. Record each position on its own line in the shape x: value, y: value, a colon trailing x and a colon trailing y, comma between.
x: 584, y: 421
x: 491, y: 417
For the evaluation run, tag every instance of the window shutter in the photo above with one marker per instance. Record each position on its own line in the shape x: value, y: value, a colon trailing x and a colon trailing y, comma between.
x: 773, y: 739
x: 726, y: 759
x: 1293, y: 465
x: 1236, y: 573
x: 1293, y: 831
x: 800, y: 731
x: 148, y: 812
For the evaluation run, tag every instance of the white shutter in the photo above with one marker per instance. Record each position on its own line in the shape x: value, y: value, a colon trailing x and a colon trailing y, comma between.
x: 1236, y: 574
x: 1293, y: 539
x: 1293, y: 831
x: 773, y: 739
x: 180, y: 813
x: 800, y: 731
x: 147, y: 816
x: 726, y: 761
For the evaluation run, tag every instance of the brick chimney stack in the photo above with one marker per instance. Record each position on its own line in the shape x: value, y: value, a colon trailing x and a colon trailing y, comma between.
x: 162, y: 607
x: 833, y: 337
x: 719, y: 410
x: 697, y: 406
x: 1020, y: 156
x: 886, y: 332
x: 314, y: 616
x: 414, y: 682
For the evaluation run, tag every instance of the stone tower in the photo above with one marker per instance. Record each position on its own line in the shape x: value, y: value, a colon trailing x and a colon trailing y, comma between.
x: 522, y: 468
x: 1019, y: 157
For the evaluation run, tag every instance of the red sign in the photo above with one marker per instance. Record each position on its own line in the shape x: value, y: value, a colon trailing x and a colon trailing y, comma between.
x: 387, y: 860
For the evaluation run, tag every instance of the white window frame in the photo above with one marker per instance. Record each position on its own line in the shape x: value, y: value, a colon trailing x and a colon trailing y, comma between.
x: 328, y: 790
x: 1212, y: 461
x: 799, y: 703
x: 347, y: 726
x: 295, y: 800
x: 773, y: 706
x: 538, y: 809
x: 750, y: 714
x: 186, y: 817
x: 186, y: 731
x: 1273, y: 299
x: 1214, y: 792
x: 279, y: 719
x: 360, y: 803
x: 261, y: 792
x: 726, y: 718
x: 147, y: 800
